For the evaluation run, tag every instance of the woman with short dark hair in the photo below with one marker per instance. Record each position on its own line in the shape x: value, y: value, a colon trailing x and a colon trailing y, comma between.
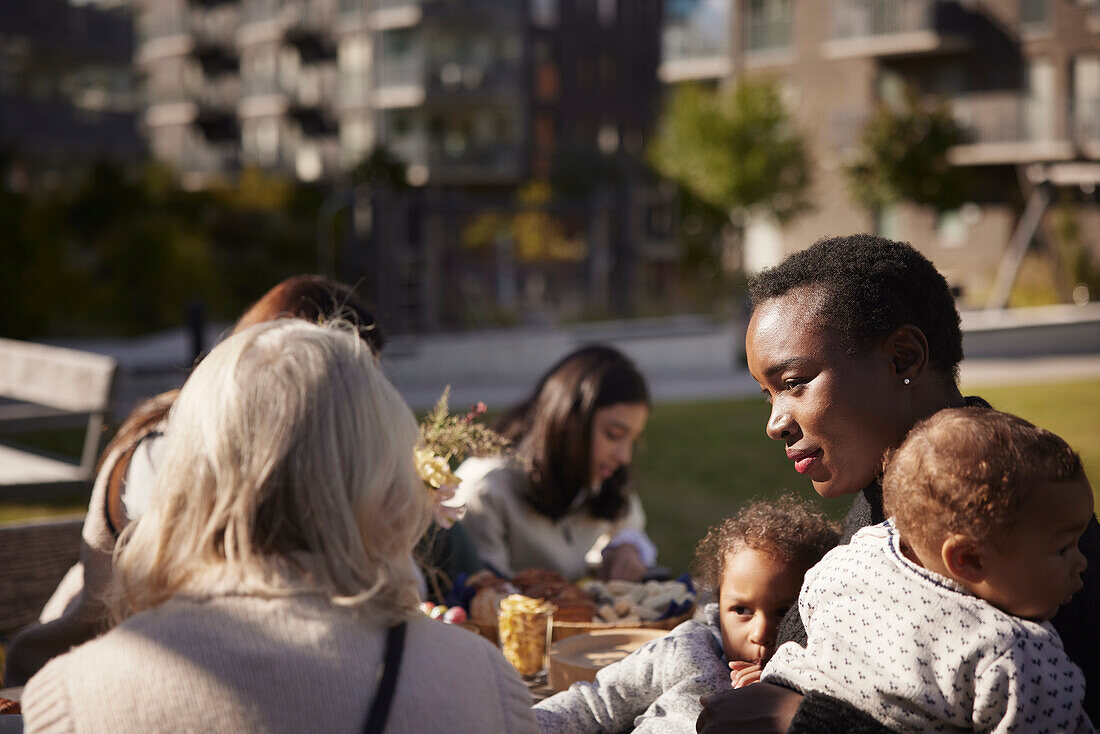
x: 854, y: 341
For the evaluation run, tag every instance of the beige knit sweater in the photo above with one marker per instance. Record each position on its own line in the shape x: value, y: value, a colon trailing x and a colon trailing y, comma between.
x: 246, y: 664
x: 510, y: 535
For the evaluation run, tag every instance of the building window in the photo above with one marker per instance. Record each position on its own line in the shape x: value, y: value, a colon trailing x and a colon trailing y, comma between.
x: 695, y: 29
x: 1086, y: 98
x: 546, y: 81
x: 1035, y: 15
x: 769, y: 25
x: 544, y: 12
x: 607, y: 140
x: 607, y: 70
x: 586, y: 72
x: 607, y: 11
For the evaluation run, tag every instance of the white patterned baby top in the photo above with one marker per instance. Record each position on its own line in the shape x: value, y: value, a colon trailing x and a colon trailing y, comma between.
x: 919, y: 652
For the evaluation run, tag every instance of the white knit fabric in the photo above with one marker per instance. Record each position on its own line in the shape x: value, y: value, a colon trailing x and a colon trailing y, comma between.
x: 921, y: 653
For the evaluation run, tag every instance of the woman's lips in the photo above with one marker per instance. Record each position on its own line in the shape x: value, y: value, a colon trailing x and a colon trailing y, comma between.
x: 804, y: 460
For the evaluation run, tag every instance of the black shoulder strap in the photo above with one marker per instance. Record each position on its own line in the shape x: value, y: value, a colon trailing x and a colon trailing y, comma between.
x: 391, y: 664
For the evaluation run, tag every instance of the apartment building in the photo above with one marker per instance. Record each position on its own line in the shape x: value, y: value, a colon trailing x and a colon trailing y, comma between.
x: 66, y: 88
x: 466, y: 92
x: 1022, y: 77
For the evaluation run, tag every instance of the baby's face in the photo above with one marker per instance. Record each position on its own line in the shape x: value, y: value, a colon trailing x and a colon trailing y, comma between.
x: 1037, y: 568
x: 756, y: 591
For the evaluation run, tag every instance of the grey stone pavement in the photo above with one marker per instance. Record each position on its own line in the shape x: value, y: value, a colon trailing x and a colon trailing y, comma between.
x: 686, y: 385
x: 683, y: 361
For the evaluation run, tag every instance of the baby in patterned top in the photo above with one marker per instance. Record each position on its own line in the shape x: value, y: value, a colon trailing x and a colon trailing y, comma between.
x: 937, y: 619
x: 754, y: 563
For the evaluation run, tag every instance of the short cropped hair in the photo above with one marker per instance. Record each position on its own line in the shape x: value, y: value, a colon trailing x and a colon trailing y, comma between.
x: 966, y: 471
x: 872, y: 286
x: 288, y: 469
x: 787, y: 529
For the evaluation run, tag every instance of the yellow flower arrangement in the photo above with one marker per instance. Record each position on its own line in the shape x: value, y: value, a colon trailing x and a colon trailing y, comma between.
x: 445, y: 441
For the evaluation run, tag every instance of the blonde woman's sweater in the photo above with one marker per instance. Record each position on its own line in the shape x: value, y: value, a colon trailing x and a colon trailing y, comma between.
x: 246, y: 664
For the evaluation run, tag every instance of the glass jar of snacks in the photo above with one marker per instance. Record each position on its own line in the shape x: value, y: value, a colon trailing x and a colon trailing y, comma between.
x: 525, y: 627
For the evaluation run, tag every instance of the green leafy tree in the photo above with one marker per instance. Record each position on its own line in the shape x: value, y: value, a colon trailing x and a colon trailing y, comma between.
x: 736, y: 150
x: 903, y: 157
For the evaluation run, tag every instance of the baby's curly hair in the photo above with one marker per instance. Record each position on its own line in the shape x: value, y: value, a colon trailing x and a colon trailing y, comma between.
x: 788, y: 529
x: 966, y: 471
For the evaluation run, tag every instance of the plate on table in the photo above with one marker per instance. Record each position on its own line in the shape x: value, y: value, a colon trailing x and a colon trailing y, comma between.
x: 579, y: 657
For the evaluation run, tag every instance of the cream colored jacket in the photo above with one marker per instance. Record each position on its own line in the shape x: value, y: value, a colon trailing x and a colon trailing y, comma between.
x: 510, y: 535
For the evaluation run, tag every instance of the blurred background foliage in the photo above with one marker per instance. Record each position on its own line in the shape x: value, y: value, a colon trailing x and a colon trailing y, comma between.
x: 120, y: 252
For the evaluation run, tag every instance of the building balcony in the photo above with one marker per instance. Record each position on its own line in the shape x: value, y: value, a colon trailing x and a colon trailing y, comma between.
x: 304, y: 24
x: 467, y: 163
x: 309, y: 29
x: 215, y: 45
x: 689, y: 53
x: 886, y: 28
x: 768, y: 41
x: 389, y: 15
x: 1085, y: 119
x: 1011, y: 128
x: 419, y: 80
x: 162, y: 37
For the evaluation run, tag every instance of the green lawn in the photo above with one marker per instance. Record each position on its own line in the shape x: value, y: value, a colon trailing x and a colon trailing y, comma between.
x: 700, y: 461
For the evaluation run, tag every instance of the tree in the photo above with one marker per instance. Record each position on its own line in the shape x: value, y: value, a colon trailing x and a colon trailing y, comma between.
x: 736, y: 150
x: 903, y: 156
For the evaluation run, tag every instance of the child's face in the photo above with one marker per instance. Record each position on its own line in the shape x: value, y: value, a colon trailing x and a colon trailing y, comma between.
x: 756, y: 591
x: 1037, y: 568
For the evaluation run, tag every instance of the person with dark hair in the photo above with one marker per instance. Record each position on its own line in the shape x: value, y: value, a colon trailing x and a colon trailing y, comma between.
x: 854, y: 341
x: 125, y: 477
x: 980, y: 550
x: 564, y: 503
x: 753, y: 564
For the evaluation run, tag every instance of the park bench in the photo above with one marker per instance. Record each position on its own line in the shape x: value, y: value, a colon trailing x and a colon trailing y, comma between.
x: 40, y: 385
x: 34, y: 557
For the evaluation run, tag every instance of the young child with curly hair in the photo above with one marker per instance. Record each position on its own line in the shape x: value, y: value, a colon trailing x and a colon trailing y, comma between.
x: 753, y: 563
x: 939, y: 617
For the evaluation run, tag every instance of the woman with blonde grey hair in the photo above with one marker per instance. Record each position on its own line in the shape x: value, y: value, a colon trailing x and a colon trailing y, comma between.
x: 270, y: 585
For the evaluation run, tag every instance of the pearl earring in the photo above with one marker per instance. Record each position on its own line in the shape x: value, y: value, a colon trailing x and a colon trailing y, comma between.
x: 906, y: 381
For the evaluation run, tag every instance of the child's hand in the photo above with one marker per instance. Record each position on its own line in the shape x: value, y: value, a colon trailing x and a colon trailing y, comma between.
x: 743, y: 674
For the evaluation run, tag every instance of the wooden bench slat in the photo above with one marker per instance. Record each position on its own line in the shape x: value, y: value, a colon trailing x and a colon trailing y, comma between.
x: 34, y: 558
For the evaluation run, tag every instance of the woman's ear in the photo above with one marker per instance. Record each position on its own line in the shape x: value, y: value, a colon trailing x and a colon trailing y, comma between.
x: 908, y: 348
x: 962, y: 558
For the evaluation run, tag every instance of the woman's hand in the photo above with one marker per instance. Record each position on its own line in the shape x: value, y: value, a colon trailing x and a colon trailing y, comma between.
x: 743, y: 673
x: 761, y: 709
x: 621, y: 562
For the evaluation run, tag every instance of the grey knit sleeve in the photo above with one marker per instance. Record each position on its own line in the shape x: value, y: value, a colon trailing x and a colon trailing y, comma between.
x: 661, y: 681
x: 622, y: 692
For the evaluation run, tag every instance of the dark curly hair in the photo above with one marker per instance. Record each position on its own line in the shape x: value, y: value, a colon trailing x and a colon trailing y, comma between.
x: 871, y: 286
x: 967, y: 471
x: 552, y: 430
x: 787, y: 529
